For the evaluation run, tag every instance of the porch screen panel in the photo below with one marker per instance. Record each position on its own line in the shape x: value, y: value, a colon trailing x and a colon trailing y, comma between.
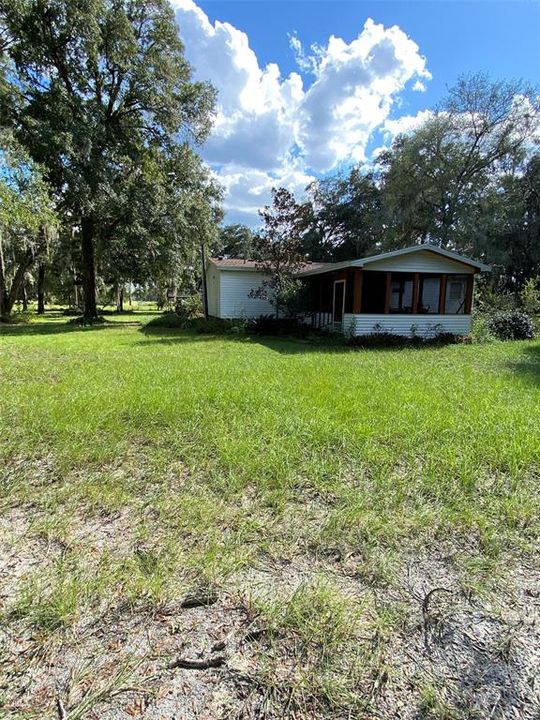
x: 456, y: 292
x: 428, y: 299
x: 401, y: 296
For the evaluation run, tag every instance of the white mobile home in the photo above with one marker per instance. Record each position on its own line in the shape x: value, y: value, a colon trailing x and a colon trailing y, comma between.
x: 422, y: 290
x: 229, y: 282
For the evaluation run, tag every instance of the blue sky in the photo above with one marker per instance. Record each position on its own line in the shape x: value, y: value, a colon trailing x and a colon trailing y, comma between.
x: 291, y: 110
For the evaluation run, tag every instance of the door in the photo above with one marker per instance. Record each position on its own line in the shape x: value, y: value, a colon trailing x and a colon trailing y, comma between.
x: 339, y: 302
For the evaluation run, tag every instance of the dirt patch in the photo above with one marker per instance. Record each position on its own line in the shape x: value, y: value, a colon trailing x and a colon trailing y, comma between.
x: 431, y: 648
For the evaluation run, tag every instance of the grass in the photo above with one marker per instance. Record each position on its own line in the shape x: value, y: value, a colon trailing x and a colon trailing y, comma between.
x: 149, y: 463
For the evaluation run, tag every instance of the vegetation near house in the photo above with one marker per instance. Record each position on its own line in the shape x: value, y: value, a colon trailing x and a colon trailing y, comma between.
x: 279, y: 252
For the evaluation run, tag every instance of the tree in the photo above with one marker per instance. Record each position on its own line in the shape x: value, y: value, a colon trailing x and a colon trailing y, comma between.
x: 511, y: 239
x: 343, y: 218
x: 435, y: 179
x: 162, y: 218
x: 235, y: 241
x: 92, y: 89
x: 278, y: 249
x: 27, y: 220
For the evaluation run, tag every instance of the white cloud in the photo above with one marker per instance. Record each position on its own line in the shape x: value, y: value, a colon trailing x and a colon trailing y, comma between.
x: 274, y: 130
x: 405, y: 124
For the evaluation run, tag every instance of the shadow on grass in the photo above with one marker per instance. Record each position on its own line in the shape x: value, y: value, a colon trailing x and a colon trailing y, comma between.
x: 527, y: 365
x: 50, y: 328
x: 285, y: 345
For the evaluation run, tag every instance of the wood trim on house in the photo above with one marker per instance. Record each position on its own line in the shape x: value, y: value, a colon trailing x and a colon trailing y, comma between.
x: 388, y: 295
x: 469, y: 295
x: 416, y: 292
x: 357, y: 291
x: 442, y: 294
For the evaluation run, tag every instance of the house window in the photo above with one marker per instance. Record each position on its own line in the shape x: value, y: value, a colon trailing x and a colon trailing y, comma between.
x: 456, y: 293
x: 428, y: 294
x: 401, y: 293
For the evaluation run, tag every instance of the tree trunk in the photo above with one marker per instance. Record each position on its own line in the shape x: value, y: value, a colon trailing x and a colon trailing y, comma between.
x: 24, y: 297
x: 41, y: 290
x: 120, y: 299
x: 7, y: 299
x: 3, y: 289
x: 88, y: 268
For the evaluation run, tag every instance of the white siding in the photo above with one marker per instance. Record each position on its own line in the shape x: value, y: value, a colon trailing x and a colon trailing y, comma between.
x: 235, y: 302
x: 212, y: 290
x: 401, y: 324
x: 427, y: 262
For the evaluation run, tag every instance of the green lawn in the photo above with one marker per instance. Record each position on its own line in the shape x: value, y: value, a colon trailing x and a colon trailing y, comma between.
x: 319, y: 493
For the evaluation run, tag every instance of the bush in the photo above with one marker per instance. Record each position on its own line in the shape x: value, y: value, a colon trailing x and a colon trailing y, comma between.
x: 513, y: 325
x: 71, y: 312
x: 212, y: 326
x: 269, y: 325
x: 530, y: 296
x: 167, y: 320
x: 389, y: 340
x: 480, y: 332
x: 215, y: 326
x: 19, y: 317
x: 81, y: 321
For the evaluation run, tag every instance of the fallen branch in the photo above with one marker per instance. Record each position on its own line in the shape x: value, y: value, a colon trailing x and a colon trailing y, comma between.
x: 425, y: 603
x: 213, y: 662
x: 62, y: 712
x: 192, y: 601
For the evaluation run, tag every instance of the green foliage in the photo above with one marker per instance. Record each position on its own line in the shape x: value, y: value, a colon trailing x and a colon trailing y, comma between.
x: 514, y: 325
x: 212, y: 326
x: 436, y: 180
x: 27, y: 219
x: 390, y: 340
x: 234, y: 241
x: 100, y: 94
x: 480, y: 331
x: 270, y: 325
x: 492, y: 295
x: 278, y: 249
x: 530, y: 296
x: 344, y: 217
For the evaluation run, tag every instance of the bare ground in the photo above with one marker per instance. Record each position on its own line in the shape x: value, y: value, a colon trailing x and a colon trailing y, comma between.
x: 453, y: 652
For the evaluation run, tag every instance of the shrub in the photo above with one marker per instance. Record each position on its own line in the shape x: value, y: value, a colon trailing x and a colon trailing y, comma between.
x: 19, y: 317
x: 215, y: 326
x: 481, y: 332
x: 71, y: 312
x: 212, y: 326
x: 530, y: 296
x: 167, y: 320
x: 391, y: 340
x: 513, y: 325
x: 269, y: 325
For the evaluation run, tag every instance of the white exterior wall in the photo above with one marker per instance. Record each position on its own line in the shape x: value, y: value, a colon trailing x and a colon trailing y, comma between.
x: 234, y: 300
x: 423, y: 262
x: 401, y: 324
x: 212, y: 289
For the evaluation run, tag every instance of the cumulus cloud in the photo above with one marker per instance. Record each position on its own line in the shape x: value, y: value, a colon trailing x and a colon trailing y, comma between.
x: 405, y: 124
x: 274, y: 130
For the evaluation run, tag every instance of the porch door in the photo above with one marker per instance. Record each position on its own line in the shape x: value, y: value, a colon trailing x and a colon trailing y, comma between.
x: 339, y: 302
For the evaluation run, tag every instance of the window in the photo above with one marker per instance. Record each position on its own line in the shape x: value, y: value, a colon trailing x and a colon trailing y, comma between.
x: 456, y: 293
x: 401, y: 293
x: 428, y: 295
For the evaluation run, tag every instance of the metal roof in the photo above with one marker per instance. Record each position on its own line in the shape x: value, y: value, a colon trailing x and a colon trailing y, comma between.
x: 241, y: 264
x: 362, y: 262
